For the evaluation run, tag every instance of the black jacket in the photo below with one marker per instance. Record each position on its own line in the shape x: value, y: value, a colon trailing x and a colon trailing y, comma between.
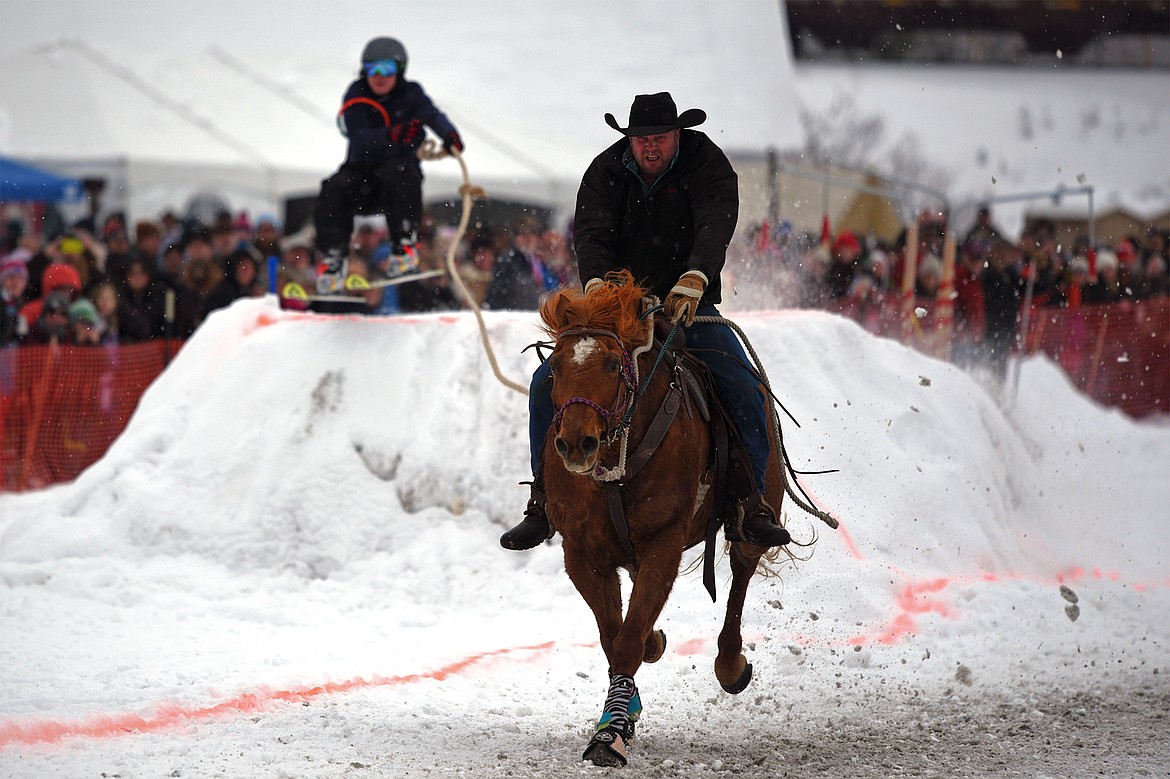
x: 367, y: 128
x: 684, y: 222
x: 513, y: 288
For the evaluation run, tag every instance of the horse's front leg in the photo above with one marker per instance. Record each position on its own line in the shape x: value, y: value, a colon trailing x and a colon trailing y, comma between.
x: 657, y: 569
x: 602, y: 592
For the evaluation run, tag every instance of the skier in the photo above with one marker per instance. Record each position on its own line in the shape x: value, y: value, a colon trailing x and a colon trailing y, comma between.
x: 383, y: 116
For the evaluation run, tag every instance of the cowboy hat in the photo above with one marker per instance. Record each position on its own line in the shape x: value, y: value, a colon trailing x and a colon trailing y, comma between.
x: 655, y: 114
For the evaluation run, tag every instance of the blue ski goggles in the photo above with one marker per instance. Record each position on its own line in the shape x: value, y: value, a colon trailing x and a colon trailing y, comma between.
x: 381, y: 68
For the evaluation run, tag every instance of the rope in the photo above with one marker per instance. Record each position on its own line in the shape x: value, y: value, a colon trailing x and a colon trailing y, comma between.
x: 431, y: 150
x: 614, y: 474
x: 802, y: 500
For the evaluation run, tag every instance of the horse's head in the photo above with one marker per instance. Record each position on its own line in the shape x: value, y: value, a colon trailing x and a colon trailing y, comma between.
x: 592, y: 370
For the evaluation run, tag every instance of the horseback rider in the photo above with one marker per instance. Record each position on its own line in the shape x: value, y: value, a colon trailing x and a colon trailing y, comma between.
x: 383, y: 116
x: 663, y: 202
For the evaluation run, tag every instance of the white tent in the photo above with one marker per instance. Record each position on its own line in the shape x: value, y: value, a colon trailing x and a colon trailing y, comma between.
x: 527, y: 85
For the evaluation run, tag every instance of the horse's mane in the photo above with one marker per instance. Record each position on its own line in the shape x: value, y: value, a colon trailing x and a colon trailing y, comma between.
x: 614, y: 306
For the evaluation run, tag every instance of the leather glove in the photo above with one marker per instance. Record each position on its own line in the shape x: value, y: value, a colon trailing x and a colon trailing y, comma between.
x: 406, y: 133
x: 453, y: 141
x: 684, y: 297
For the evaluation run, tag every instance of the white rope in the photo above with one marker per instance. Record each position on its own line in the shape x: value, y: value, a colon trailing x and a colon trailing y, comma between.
x: 431, y: 150
x: 613, y: 474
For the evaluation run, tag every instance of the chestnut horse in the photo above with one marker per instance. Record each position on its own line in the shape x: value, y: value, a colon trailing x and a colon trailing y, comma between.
x: 604, y: 390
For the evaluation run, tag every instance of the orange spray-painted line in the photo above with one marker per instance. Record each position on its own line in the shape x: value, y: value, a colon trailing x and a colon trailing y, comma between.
x: 170, y: 715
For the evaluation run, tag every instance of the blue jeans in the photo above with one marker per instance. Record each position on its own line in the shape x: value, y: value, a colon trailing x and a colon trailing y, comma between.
x: 739, y: 389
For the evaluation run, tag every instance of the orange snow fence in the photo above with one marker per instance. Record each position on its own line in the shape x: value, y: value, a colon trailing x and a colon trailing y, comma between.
x: 1116, y: 353
x: 62, y: 406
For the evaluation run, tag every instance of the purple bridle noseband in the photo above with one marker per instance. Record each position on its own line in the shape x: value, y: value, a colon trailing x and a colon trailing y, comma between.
x: 625, y: 397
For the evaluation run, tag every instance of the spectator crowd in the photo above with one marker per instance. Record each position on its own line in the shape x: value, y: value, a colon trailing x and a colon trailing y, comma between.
x: 995, y: 278
x: 111, y: 284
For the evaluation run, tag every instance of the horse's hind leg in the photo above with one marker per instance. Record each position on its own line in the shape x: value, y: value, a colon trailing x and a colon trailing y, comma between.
x: 732, y: 669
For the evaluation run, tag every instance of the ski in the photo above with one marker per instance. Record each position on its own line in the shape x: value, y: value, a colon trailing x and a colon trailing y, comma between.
x: 353, y: 289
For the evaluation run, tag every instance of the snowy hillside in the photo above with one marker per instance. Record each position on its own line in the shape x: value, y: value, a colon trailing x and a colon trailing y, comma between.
x: 288, y: 566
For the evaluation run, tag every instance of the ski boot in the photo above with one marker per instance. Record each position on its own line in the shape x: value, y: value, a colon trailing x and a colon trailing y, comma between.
x: 331, y: 273
x: 403, y: 260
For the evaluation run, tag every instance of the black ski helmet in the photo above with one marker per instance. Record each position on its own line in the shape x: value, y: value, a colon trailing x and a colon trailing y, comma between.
x: 385, y: 49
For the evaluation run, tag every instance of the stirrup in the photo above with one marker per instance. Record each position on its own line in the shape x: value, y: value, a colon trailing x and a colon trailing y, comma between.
x: 753, y: 524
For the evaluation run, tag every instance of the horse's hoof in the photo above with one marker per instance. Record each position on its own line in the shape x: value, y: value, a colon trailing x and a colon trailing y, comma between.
x: 741, y: 683
x: 607, y: 749
x: 655, y: 647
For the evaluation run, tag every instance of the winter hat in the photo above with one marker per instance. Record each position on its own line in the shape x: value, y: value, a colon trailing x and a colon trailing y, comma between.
x: 1126, y: 254
x: 268, y: 219
x: 12, y: 265
x: 1079, y: 264
x: 59, y: 276
x: 84, y: 311
x: 847, y: 240
x: 655, y: 114
x: 1106, y: 259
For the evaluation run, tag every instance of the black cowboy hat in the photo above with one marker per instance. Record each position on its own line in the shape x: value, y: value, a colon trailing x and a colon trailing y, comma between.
x: 654, y: 114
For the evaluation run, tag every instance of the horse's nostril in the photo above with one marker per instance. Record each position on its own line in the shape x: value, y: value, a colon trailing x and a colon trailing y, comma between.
x: 562, y: 447
x: 589, y: 445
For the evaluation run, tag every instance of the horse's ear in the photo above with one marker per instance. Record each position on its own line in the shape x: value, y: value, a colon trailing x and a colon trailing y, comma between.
x: 552, y: 311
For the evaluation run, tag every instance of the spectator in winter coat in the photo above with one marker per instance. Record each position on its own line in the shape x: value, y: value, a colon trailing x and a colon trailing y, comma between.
x: 143, y: 306
x: 147, y: 244
x: 383, y: 115
x: 87, y: 328
x: 58, y: 277
x: 105, y: 301
x: 266, y: 237
x: 518, y: 275
x: 1108, y: 287
x: 52, y: 321
x: 13, y: 280
x: 662, y: 203
x: 1002, y: 295
x: 846, y: 258
x: 242, y: 280
x: 970, y: 315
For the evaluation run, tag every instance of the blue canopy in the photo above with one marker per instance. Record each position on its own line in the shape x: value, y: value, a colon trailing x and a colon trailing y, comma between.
x: 20, y: 182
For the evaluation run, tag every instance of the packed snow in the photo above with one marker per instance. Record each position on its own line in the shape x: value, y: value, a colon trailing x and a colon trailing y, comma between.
x: 288, y: 566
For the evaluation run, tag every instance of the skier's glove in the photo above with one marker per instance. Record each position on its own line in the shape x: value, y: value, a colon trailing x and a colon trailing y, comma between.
x: 453, y: 141
x: 684, y: 297
x: 406, y: 134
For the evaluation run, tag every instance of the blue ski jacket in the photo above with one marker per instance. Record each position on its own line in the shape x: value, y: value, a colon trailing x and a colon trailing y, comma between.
x: 369, y: 120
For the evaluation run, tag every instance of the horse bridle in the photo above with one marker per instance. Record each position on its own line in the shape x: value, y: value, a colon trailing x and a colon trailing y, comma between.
x: 625, y: 392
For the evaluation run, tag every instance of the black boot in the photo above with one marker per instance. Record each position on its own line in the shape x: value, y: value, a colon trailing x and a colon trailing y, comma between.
x: 755, y: 523
x: 533, y: 530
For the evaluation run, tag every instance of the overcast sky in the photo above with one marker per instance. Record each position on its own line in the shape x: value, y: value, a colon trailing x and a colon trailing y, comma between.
x: 264, y: 25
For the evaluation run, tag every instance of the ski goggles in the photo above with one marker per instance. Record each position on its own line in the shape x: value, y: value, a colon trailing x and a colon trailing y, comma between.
x: 381, y: 68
